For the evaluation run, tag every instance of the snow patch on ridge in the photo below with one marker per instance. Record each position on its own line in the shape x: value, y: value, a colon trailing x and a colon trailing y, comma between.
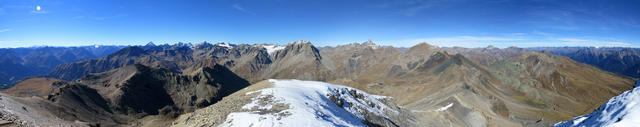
x: 308, y: 103
x: 226, y: 45
x: 445, y: 107
x: 620, y: 111
x: 272, y: 48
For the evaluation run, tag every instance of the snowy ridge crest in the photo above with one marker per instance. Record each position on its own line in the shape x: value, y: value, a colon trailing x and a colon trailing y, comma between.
x: 310, y: 103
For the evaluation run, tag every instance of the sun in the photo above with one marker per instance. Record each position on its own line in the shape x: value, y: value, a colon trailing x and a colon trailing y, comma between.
x: 38, y: 8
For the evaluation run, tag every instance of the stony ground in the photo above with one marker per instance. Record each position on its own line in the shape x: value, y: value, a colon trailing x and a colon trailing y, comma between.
x: 217, y: 113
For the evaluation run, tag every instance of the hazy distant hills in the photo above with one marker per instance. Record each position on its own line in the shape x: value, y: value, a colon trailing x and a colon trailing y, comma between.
x: 625, y: 61
x: 429, y: 85
x: 18, y: 63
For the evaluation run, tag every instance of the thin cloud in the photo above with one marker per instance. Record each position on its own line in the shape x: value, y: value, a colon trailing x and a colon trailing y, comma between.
x: 593, y: 43
x: 39, y: 12
x: 483, y: 41
x: 4, y: 30
x: 108, y: 17
x: 2, y: 11
x: 463, y: 41
x: 242, y: 9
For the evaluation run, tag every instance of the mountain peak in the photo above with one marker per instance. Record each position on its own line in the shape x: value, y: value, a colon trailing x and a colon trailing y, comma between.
x: 301, y: 42
x: 422, y: 45
x: 370, y: 43
x: 225, y: 44
x: 420, y: 48
x: 182, y: 44
x: 202, y: 45
x: 150, y: 44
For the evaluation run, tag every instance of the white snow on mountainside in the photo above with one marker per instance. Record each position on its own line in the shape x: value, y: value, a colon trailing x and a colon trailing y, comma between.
x: 308, y: 103
x: 227, y: 45
x: 273, y: 48
x: 620, y: 111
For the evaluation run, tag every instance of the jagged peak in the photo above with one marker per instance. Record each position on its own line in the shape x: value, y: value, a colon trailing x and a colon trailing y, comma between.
x: 301, y: 42
x: 370, y: 43
x: 182, y: 44
x: 202, y: 45
x: 150, y: 44
x: 225, y: 45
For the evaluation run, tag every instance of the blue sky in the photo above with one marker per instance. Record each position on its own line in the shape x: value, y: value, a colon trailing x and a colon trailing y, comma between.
x: 466, y: 23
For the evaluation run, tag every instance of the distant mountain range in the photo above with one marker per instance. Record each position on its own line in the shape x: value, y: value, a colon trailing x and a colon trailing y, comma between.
x: 624, y: 61
x: 18, y: 63
x: 182, y: 84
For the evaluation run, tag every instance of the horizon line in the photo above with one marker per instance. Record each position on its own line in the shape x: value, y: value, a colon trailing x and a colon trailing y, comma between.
x: 334, y: 45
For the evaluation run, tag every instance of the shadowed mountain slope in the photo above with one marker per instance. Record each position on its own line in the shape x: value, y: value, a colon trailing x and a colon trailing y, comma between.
x: 127, y: 94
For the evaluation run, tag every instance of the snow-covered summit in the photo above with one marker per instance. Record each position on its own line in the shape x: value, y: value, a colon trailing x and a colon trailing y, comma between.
x: 310, y: 103
x: 226, y: 45
x: 620, y: 111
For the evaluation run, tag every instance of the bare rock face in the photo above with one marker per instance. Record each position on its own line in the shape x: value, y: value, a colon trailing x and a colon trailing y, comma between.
x: 143, y: 90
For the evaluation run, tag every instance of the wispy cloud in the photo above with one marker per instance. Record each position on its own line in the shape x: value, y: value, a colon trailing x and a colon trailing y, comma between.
x: 518, y: 41
x: 594, y: 43
x: 80, y: 17
x: 39, y: 12
x: 410, y: 7
x: 242, y: 9
x: 4, y: 30
x: 109, y: 17
x: 2, y: 11
x: 463, y: 41
x: 560, y: 42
